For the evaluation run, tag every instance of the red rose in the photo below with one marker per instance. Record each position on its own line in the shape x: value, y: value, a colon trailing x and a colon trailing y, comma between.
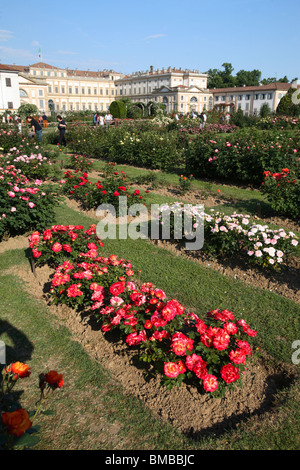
x: 117, y: 288
x: 229, y: 373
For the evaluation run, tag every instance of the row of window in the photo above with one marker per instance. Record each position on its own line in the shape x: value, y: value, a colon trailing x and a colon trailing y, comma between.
x: 55, y: 74
x: 78, y: 107
x: 257, y: 96
x: 76, y: 90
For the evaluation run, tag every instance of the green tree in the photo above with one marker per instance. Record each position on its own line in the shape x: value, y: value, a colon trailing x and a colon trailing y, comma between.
x: 267, y: 81
x: 265, y: 110
x: 118, y: 109
x: 28, y: 110
x: 286, y: 106
x: 248, y: 78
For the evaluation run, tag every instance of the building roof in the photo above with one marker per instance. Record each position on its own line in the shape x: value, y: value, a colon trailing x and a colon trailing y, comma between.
x: 271, y: 86
x: 90, y: 73
x: 70, y: 72
x: 43, y: 65
x: 163, y: 71
x: 9, y: 68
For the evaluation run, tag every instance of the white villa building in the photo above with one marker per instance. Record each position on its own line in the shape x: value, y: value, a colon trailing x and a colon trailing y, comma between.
x: 182, y: 91
x: 249, y: 98
x: 9, y: 88
x: 178, y: 90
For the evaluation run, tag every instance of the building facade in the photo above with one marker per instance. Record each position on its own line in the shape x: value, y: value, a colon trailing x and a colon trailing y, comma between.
x: 249, y: 99
x: 9, y: 88
x: 178, y: 90
x: 54, y: 89
x: 182, y: 91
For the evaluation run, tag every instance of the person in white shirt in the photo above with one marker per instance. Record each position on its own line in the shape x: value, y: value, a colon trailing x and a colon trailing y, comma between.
x: 204, y: 118
x: 108, y: 119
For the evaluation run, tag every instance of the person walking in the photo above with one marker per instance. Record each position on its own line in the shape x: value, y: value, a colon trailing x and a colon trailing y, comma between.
x: 62, y: 130
x: 36, y: 128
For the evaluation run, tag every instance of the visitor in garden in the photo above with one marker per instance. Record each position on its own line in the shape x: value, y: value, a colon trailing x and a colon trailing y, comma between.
x: 19, y: 125
x: 45, y: 120
x: 201, y: 117
x: 95, y: 119
x: 108, y: 119
x: 62, y: 130
x: 100, y: 120
x: 204, y: 118
x: 36, y: 128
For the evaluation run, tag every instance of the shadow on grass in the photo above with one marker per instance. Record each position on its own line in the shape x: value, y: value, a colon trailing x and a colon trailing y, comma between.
x: 21, y: 351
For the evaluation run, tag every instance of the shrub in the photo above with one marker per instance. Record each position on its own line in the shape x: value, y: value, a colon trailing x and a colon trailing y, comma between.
x: 118, y: 109
x: 24, y: 206
x: 227, y: 235
x: 60, y: 243
x: 283, y: 192
x: 242, y: 156
x: 106, y: 190
x: 210, y: 353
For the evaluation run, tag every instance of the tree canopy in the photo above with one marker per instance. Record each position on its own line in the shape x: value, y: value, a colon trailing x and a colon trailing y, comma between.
x: 225, y: 78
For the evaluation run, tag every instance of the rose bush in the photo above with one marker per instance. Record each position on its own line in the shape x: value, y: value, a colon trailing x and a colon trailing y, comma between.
x: 225, y: 235
x: 283, y: 192
x: 77, y: 185
x: 143, y: 144
x: 179, y: 345
x: 61, y: 243
x: 210, y: 352
x: 23, y: 204
x: 242, y: 156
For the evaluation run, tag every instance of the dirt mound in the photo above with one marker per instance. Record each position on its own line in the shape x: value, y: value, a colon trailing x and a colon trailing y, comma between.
x: 190, y: 411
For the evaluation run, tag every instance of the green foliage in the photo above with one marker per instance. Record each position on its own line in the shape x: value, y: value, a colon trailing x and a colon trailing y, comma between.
x: 265, y: 110
x: 283, y: 192
x: 286, y: 105
x: 242, y: 156
x: 28, y: 110
x: 118, y: 109
x: 139, y: 143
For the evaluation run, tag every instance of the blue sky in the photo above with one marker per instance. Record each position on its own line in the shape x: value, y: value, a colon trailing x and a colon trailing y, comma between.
x: 131, y: 35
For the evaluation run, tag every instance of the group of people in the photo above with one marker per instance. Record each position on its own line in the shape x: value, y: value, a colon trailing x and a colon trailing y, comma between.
x: 100, y: 120
x: 36, y: 128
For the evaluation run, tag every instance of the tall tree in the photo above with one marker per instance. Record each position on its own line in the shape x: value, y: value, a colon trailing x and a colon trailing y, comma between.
x: 248, y: 78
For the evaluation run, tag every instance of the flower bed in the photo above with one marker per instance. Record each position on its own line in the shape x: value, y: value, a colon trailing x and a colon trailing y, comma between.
x: 242, y: 156
x: 210, y: 352
x: 235, y: 234
x: 77, y: 185
x: 59, y: 243
x: 143, y: 144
